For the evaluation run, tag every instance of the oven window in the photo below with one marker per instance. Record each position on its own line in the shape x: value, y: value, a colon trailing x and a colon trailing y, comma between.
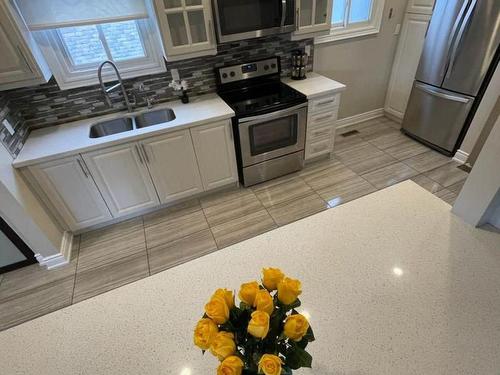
x: 240, y: 16
x: 273, y: 135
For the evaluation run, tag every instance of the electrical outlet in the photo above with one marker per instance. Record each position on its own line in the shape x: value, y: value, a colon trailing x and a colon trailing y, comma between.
x: 398, y: 29
x: 175, y: 74
x: 8, y: 126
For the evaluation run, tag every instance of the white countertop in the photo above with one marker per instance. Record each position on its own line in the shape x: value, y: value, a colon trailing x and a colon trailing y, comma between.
x: 315, y: 85
x: 395, y: 284
x: 68, y: 139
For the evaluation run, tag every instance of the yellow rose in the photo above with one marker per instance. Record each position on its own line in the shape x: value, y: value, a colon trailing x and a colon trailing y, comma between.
x: 223, y: 345
x: 264, y: 301
x: 288, y: 290
x: 230, y: 366
x: 258, y: 326
x: 217, y: 310
x: 271, y: 277
x: 204, y: 333
x: 296, y: 327
x: 248, y: 291
x: 270, y: 364
x: 227, y: 295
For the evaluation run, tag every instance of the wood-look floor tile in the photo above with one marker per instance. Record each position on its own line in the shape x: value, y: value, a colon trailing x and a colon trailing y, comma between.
x: 447, y: 196
x: 447, y: 174
x: 224, y: 196
x: 174, y: 253
x: 457, y: 187
x: 386, y: 139
x: 95, y: 281
x: 296, y: 209
x: 426, y: 161
x: 35, y: 302
x: 231, y: 209
x: 275, y: 194
x: 242, y: 228
x: 167, y: 229
x: 111, y: 243
x: 406, y: 149
x: 346, y: 191
x: 334, y: 173
x: 171, y: 212
x: 364, y: 158
x: 367, y: 128
x: 389, y: 175
x: 344, y: 143
x: 427, y: 183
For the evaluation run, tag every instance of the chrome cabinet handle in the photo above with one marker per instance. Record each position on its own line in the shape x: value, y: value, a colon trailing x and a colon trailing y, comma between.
x: 326, y: 102
x: 283, y: 12
x: 145, y: 153
x: 81, y: 167
x: 139, y: 154
x: 297, y: 21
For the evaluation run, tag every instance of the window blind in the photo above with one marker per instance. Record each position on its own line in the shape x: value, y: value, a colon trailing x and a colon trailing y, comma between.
x: 50, y: 14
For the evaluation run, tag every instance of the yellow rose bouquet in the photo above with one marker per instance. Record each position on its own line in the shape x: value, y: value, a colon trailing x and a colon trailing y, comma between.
x: 265, y: 334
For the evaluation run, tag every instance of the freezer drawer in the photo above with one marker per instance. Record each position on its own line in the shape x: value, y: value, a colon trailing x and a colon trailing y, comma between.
x: 436, y: 116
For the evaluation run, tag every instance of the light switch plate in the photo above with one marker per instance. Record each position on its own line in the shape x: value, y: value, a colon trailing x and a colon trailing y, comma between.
x: 398, y: 29
x: 8, y: 126
x: 175, y: 74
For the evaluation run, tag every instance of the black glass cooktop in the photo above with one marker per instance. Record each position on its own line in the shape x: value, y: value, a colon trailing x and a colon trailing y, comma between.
x: 261, y: 98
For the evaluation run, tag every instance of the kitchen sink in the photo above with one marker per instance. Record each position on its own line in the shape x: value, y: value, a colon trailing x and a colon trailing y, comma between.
x: 109, y: 127
x: 158, y: 116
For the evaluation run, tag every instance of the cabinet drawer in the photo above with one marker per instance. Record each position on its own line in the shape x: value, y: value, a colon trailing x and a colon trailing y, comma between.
x: 319, y: 133
x: 314, y: 149
x: 323, y: 118
x: 325, y: 103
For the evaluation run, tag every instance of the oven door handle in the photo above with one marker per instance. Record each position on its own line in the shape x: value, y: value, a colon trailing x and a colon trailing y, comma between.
x: 272, y: 115
x: 283, y: 12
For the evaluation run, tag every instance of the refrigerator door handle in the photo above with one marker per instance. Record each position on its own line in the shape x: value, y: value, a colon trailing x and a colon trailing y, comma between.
x: 453, y: 33
x: 441, y: 94
x: 458, y: 39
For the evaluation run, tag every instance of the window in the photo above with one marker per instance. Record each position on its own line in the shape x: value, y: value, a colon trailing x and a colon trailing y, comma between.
x: 353, y: 18
x: 77, y: 36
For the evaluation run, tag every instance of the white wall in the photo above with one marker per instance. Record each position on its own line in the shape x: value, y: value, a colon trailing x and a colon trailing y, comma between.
x: 364, y: 64
x: 22, y: 211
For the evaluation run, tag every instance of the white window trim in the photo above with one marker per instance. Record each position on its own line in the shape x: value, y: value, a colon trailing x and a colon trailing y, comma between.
x: 361, y: 29
x: 57, y: 59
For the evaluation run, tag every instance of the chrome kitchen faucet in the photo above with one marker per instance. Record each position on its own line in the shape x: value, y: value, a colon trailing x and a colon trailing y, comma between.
x: 106, y: 91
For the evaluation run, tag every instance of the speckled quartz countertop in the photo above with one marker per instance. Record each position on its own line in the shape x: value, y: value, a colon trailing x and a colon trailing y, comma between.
x: 68, y: 139
x: 315, y: 85
x: 394, y: 283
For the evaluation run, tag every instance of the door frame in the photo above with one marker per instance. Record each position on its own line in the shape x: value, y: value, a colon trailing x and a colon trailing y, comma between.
x: 20, y: 244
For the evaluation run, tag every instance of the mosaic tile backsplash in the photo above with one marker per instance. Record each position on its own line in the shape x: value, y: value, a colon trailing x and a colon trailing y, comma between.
x: 47, y: 105
x: 13, y: 143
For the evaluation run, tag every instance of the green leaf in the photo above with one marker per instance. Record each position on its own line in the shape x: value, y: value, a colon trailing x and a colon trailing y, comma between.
x: 297, y: 357
x: 244, y: 306
x: 309, y: 336
x: 302, y: 343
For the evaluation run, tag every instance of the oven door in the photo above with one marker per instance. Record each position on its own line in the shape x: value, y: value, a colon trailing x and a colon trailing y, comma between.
x: 272, y: 135
x: 243, y: 19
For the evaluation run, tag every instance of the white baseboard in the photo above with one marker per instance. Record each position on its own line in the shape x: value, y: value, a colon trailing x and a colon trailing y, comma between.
x: 394, y: 115
x: 344, y: 124
x: 60, y: 259
x: 461, y: 157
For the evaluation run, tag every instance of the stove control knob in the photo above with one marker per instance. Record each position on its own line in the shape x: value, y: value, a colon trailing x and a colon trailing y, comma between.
x: 232, y: 74
x: 266, y: 67
x: 273, y: 65
x: 224, y: 75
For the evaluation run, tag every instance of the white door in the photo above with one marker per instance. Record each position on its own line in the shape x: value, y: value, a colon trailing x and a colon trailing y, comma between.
x: 420, y: 6
x: 72, y: 191
x: 313, y: 16
x: 121, y: 174
x: 172, y: 163
x: 14, y: 65
x: 214, y: 147
x: 410, y: 45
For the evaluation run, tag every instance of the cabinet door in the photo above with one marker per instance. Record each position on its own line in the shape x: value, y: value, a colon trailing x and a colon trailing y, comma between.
x: 420, y: 6
x: 187, y: 28
x: 172, y: 163
x: 72, y: 192
x: 122, y: 177
x: 410, y: 44
x: 313, y: 16
x: 214, y: 149
x: 14, y: 65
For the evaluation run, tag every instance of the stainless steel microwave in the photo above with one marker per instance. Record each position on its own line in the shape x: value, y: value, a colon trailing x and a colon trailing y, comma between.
x: 244, y: 19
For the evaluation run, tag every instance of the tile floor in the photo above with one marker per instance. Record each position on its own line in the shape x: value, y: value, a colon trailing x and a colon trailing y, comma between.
x: 379, y: 155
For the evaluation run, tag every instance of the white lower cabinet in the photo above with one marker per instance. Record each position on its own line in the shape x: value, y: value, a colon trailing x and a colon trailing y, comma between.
x: 214, y: 149
x: 172, y: 163
x: 70, y: 189
x: 122, y: 176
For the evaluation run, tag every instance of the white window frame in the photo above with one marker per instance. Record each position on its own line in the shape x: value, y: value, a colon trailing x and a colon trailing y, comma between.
x: 345, y: 30
x: 67, y: 77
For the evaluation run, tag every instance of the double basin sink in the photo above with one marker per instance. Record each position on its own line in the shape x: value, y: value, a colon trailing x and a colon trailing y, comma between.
x: 131, y: 122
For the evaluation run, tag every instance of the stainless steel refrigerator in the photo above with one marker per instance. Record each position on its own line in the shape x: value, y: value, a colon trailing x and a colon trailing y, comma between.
x: 459, y: 53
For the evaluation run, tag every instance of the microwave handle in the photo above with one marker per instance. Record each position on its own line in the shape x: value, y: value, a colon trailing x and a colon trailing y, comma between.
x: 283, y: 12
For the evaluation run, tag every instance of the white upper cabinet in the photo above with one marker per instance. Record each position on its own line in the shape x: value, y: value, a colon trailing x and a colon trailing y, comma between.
x: 172, y: 163
x: 410, y: 45
x: 187, y: 28
x: 313, y: 16
x: 420, y: 6
x: 122, y: 177
x: 19, y: 67
x: 72, y: 192
x: 214, y: 149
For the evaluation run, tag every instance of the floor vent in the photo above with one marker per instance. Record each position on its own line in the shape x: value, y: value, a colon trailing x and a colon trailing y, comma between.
x: 465, y: 167
x: 349, y: 133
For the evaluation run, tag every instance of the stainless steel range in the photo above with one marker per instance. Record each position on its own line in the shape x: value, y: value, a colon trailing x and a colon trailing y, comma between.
x: 270, y: 121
